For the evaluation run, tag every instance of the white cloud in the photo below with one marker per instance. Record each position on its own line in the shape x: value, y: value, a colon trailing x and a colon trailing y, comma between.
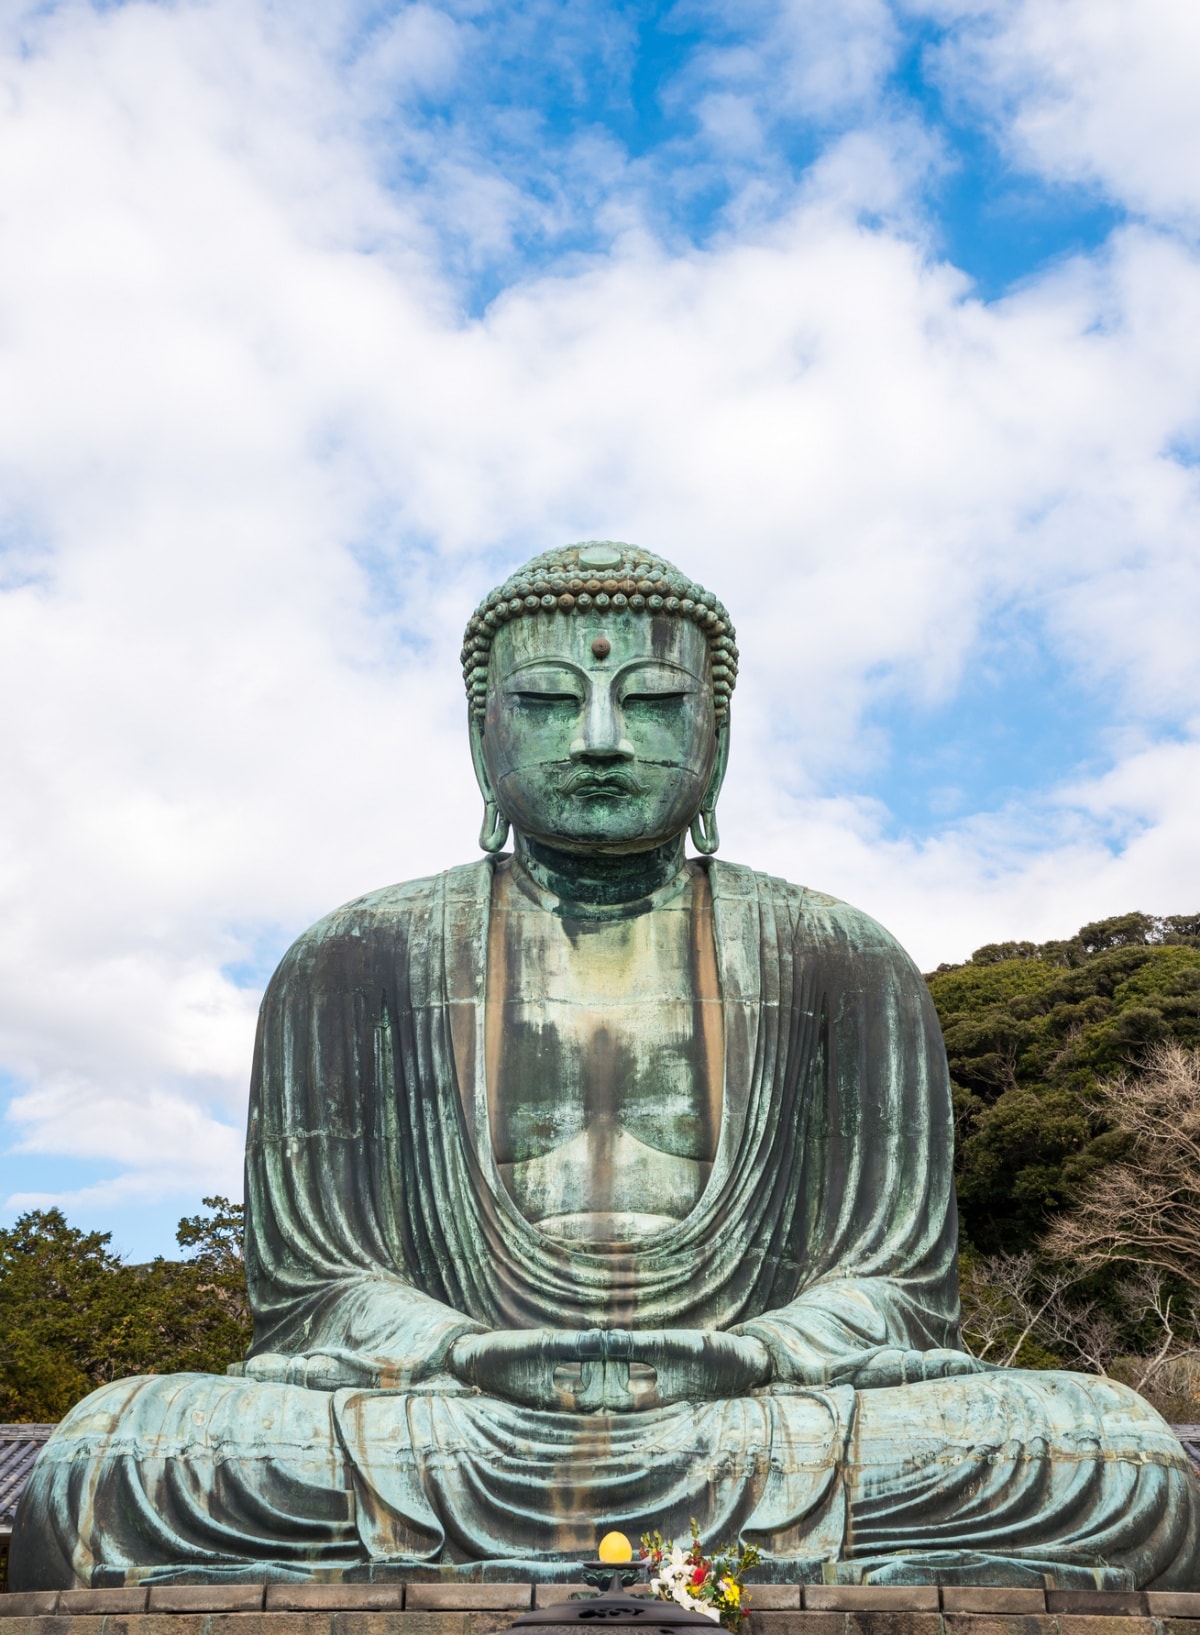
x: 1034, y: 870
x: 1094, y: 91
x: 259, y: 464
x: 801, y: 57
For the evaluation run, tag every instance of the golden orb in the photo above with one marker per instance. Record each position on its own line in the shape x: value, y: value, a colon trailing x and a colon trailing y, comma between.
x: 614, y: 1548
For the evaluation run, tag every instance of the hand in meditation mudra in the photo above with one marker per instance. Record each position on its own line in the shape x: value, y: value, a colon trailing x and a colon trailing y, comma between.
x: 591, y: 1186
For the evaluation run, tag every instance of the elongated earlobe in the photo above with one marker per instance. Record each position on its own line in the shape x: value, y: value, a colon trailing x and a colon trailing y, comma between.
x: 705, y: 836
x: 495, y: 828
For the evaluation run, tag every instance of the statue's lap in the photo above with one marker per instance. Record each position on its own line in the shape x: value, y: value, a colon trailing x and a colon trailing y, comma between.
x: 1021, y: 1464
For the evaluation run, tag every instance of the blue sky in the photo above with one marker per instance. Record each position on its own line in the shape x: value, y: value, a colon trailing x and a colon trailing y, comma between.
x: 545, y: 80
x: 883, y: 318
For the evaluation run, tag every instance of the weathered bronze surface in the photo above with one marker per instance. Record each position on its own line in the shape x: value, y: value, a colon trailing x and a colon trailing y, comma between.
x: 591, y: 1186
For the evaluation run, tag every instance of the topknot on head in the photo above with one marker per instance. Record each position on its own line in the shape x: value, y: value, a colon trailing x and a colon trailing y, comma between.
x: 605, y: 574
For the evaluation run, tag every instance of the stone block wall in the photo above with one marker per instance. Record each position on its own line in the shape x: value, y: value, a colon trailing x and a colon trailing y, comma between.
x: 487, y: 1609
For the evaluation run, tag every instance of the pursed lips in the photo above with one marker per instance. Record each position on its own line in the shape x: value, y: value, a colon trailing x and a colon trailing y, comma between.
x: 589, y: 782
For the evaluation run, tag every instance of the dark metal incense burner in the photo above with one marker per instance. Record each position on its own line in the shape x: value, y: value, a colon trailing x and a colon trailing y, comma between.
x: 615, y: 1606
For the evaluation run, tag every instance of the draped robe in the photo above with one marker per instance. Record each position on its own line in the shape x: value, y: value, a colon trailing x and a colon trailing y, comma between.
x: 379, y: 1231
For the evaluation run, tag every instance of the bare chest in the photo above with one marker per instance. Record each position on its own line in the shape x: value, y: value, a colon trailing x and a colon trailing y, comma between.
x: 604, y: 1062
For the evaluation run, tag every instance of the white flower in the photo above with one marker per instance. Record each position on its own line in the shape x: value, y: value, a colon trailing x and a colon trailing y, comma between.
x: 673, y: 1581
x: 681, y: 1594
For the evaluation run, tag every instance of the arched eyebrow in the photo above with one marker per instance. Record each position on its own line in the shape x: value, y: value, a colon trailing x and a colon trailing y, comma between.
x: 547, y: 670
x: 656, y: 675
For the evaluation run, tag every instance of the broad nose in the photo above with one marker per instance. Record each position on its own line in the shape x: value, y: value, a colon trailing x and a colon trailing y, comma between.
x: 602, y: 734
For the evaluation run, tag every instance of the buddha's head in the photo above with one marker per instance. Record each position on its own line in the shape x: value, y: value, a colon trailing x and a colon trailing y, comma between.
x: 599, y: 681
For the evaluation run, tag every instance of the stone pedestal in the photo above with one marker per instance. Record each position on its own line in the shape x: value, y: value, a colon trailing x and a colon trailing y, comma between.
x: 488, y: 1609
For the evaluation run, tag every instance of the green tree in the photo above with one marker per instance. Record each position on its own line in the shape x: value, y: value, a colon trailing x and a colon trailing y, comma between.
x: 193, y: 1314
x: 64, y: 1298
x: 1032, y: 1031
x: 73, y: 1315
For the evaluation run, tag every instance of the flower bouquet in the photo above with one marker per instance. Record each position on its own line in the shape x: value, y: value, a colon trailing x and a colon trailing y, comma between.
x: 708, y: 1584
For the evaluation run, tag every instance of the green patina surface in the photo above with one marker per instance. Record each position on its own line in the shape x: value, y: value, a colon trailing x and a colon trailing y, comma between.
x: 591, y: 1186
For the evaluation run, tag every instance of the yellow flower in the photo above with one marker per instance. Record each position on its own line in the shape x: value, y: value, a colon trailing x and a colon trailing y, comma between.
x: 730, y: 1591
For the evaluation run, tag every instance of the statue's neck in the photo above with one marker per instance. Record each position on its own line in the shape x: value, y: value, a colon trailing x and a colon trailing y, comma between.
x: 595, y: 881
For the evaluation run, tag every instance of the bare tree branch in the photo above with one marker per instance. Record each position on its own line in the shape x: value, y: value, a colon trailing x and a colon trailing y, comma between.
x: 1008, y: 1299
x: 1145, y: 1208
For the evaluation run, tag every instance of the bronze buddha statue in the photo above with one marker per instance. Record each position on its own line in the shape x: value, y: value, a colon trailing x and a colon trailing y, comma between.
x: 592, y: 1185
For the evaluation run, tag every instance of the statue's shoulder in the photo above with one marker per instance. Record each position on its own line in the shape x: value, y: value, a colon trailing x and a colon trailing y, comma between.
x: 393, y: 911
x: 819, y: 918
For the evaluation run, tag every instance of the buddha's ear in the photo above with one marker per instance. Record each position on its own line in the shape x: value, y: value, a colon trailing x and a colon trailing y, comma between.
x: 494, y: 829
x: 482, y: 776
x: 705, y: 835
x: 712, y: 793
x: 494, y: 832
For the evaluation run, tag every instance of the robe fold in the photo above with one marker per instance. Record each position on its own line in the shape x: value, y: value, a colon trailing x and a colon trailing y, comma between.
x: 379, y: 1231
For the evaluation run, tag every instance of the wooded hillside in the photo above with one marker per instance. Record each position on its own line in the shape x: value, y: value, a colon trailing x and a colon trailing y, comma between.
x: 1075, y: 1079
x: 1031, y: 1030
